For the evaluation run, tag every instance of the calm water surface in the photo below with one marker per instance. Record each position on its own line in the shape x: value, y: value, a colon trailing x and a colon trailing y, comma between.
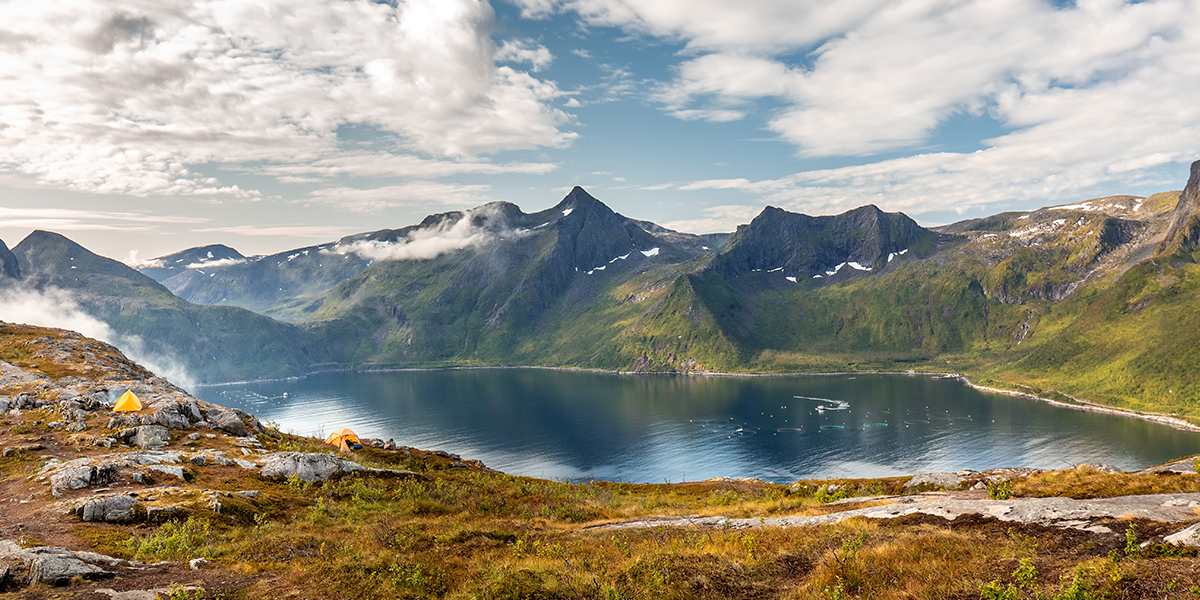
x: 568, y: 425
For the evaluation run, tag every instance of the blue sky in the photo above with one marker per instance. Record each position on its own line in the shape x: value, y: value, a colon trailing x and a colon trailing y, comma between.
x: 143, y: 129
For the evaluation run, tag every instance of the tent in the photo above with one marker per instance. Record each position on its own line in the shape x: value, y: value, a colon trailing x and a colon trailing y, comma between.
x: 344, y: 439
x: 128, y: 402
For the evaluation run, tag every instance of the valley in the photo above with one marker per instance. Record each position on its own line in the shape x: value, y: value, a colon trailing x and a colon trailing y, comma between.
x: 1091, y: 300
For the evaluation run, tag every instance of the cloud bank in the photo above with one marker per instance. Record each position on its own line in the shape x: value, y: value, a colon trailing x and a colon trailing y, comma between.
x: 1088, y: 95
x: 432, y: 242
x: 128, y: 97
x: 57, y: 308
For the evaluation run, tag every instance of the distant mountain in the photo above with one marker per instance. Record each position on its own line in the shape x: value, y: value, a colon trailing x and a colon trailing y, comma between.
x: 791, y: 247
x: 1095, y: 298
x: 212, y: 343
x: 545, y: 287
x: 165, y: 267
x: 8, y: 263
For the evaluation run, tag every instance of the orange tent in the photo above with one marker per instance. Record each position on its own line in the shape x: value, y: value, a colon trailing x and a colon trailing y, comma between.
x: 128, y: 402
x: 344, y: 439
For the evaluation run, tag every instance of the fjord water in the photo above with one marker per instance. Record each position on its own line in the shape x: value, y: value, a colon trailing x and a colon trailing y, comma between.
x: 654, y: 428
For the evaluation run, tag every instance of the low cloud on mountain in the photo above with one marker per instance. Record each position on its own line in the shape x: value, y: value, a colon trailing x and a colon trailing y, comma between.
x: 58, y: 308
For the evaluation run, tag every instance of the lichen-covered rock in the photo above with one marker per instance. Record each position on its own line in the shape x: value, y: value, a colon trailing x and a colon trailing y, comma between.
x: 1189, y: 536
x: 92, y: 471
x: 315, y: 467
x: 112, y: 508
x: 935, y: 481
x: 309, y: 467
x: 57, y: 566
x: 80, y: 476
x: 170, y: 470
x: 147, y: 436
x: 226, y: 420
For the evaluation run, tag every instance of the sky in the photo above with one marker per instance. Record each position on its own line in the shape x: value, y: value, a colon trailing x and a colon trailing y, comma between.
x: 143, y: 127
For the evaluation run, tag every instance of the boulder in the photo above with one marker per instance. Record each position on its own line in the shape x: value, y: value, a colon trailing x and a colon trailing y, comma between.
x: 170, y: 470
x: 309, y: 467
x: 315, y: 467
x: 1189, y: 537
x: 228, y: 421
x: 57, y: 566
x: 147, y: 436
x: 80, y: 476
x: 115, y: 508
x: 935, y: 481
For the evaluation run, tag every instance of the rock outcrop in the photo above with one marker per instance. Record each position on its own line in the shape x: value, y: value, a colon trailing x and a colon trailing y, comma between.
x: 53, y: 566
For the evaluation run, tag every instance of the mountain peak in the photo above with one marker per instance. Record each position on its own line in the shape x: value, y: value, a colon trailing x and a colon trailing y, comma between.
x: 1184, y: 234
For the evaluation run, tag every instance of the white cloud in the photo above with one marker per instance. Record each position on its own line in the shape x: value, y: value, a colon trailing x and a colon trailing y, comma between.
x: 1097, y: 94
x: 431, y: 242
x: 537, y: 56
x: 215, y: 264
x: 130, y: 97
x: 704, y: 24
x: 413, y: 193
x: 57, y: 308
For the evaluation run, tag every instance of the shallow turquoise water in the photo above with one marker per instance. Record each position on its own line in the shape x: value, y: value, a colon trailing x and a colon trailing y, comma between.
x: 571, y: 425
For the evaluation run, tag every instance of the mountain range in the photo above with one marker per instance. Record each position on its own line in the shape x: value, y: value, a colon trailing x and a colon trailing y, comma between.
x: 1095, y: 299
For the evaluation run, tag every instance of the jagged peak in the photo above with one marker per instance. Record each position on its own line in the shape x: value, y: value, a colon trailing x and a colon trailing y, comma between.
x: 579, y: 199
x: 1184, y: 233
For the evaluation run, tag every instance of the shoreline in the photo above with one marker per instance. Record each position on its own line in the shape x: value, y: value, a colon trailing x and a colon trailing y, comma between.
x: 1172, y: 421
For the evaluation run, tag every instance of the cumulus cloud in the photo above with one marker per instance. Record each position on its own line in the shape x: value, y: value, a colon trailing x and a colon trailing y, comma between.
x: 1091, y: 94
x: 58, y: 308
x: 471, y: 229
x: 537, y: 56
x: 129, y: 97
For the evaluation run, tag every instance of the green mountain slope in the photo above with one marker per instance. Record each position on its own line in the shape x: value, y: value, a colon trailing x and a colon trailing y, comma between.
x: 212, y: 343
x: 1094, y: 299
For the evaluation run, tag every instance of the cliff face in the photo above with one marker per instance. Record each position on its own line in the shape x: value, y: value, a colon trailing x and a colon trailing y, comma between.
x: 1184, y: 235
x: 8, y: 263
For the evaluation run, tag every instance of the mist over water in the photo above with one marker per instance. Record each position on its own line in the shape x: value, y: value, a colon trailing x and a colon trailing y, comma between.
x: 651, y: 428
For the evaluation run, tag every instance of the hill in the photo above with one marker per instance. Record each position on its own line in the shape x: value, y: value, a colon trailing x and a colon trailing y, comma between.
x: 189, y: 499
x: 210, y: 343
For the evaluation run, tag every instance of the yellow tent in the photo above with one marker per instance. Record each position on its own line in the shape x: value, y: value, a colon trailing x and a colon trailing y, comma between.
x: 128, y: 402
x: 344, y: 439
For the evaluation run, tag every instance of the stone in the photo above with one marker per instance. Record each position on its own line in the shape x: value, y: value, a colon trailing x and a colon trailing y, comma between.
x: 76, y: 426
x: 227, y: 421
x: 21, y: 449
x: 937, y: 481
x: 309, y: 467
x: 1189, y: 536
x: 79, y: 477
x: 118, y: 508
x: 247, y: 493
x: 316, y: 467
x: 150, y: 436
x: 197, y: 563
x: 58, y: 566
x: 170, y: 470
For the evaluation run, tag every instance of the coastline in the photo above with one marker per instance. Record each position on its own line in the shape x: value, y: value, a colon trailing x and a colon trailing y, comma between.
x: 1075, y: 404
